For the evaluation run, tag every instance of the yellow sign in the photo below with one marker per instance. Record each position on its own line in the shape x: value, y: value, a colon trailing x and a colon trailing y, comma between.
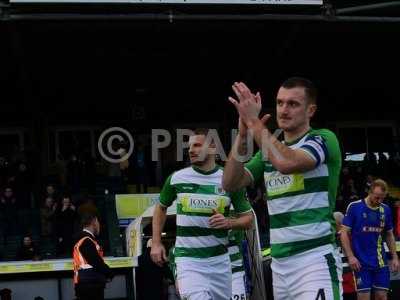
x: 120, y: 263
x: 131, y: 206
x: 68, y: 266
x: 57, y: 265
x: 7, y: 269
x: 45, y: 267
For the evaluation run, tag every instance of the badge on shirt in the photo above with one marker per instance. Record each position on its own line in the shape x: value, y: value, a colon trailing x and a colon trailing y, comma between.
x: 219, y: 190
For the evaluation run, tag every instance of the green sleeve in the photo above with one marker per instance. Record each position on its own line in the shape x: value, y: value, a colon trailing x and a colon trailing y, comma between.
x: 334, y: 160
x: 256, y: 166
x: 168, y: 193
x: 239, y: 202
x: 236, y: 235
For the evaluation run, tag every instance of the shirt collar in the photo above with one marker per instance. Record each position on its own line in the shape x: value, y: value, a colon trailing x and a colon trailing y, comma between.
x: 88, y: 231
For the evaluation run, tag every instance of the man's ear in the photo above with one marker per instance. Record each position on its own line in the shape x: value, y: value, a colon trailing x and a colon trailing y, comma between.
x: 311, y: 109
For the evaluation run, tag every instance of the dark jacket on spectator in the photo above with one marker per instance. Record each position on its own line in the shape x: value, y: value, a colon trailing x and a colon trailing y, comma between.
x: 27, y: 253
x: 65, y: 221
x: 47, y: 220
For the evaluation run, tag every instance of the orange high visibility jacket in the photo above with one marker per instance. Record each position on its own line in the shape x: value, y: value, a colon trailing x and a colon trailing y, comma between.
x: 79, y: 261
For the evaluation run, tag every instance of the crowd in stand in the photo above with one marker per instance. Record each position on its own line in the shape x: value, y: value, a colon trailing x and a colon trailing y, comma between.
x: 29, y: 219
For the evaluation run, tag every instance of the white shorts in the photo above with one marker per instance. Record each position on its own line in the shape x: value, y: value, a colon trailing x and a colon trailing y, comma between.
x: 308, y: 277
x: 238, y: 286
x: 204, y: 279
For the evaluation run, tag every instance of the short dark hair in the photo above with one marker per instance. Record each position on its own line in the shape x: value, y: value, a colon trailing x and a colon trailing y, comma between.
x: 310, y: 89
x: 201, y: 131
x: 87, y: 219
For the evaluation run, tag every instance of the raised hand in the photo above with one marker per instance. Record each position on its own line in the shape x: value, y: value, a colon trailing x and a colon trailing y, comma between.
x: 247, y: 104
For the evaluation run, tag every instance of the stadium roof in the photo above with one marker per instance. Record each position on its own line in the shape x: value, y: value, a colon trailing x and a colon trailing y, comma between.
x: 92, y: 69
x: 331, y: 10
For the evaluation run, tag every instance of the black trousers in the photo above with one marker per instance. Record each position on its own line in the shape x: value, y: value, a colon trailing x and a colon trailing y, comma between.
x: 89, y: 291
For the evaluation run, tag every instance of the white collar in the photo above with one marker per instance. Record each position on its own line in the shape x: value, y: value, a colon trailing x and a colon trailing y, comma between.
x: 88, y: 231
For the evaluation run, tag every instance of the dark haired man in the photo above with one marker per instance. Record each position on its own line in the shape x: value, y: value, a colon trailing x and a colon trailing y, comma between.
x: 301, y: 176
x: 201, y: 255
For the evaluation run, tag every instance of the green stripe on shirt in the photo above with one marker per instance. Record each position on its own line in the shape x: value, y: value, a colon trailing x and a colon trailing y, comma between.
x: 301, y: 217
x: 287, y: 249
x: 204, y: 252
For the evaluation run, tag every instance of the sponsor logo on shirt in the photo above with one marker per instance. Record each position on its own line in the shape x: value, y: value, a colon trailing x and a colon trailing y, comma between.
x: 203, y: 203
x: 372, y: 229
x: 277, y: 183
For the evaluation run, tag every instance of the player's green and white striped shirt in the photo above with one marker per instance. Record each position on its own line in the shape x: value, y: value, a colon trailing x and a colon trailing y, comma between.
x: 197, y: 193
x: 235, y: 255
x: 301, y: 205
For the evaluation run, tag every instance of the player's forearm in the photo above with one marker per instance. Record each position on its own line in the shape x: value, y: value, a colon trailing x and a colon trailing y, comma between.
x: 159, y: 218
x: 232, y: 179
x: 244, y: 221
x: 283, y: 158
x: 391, y: 243
x: 346, y: 244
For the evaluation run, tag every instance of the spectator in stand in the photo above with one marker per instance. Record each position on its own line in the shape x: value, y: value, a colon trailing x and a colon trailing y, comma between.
x: 28, y: 250
x: 345, y: 175
x: 52, y: 192
x: 348, y: 189
x: 65, y: 220
x: 47, y: 213
x: 8, y: 206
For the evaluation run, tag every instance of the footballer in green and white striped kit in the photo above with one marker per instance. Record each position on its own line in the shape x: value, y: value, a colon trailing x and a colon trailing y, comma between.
x: 301, y: 209
x: 201, y: 254
x: 236, y: 257
x: 301, y: 175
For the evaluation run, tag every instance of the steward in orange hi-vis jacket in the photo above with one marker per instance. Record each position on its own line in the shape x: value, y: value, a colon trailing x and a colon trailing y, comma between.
x: 90, y: 271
